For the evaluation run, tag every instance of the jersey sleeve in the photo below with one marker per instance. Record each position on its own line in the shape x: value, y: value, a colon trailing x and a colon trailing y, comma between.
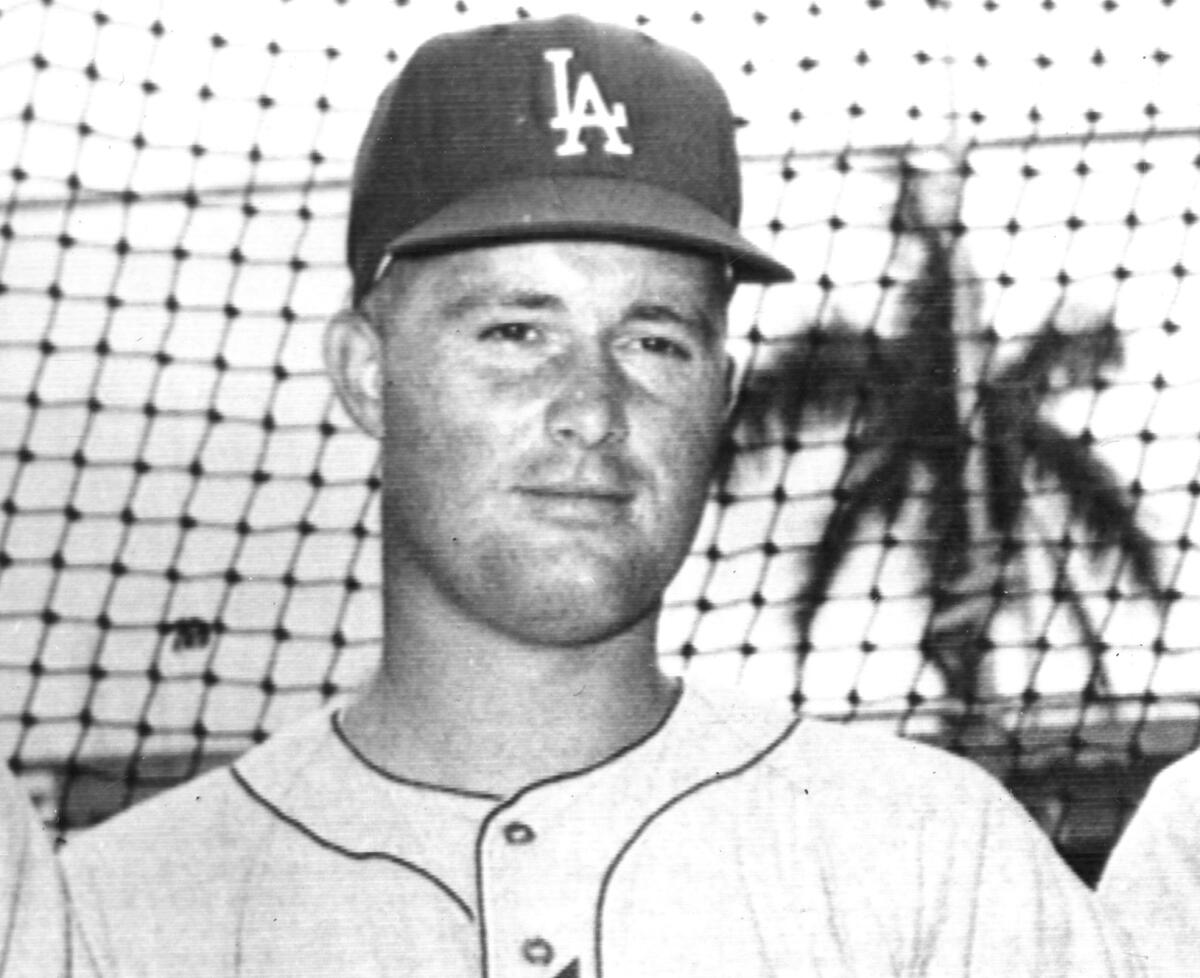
x: 1008, y: 905
x: 1151, y: 884
x: 154, y: 889
x: 33, y: 923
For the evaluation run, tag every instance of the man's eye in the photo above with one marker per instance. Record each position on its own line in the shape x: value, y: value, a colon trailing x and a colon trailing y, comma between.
x: 664, y: 346
x: 512, y: 332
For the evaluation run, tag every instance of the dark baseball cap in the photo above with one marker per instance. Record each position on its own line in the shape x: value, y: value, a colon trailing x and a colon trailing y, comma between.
x: 543, y: 129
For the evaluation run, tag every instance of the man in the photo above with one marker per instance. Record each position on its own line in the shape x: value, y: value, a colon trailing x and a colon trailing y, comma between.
x: 1151, y: 883
x: 543, y: 242
x: 33, y: 931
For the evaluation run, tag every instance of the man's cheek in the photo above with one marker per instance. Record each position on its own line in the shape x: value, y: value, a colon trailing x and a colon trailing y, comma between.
x: 690, y: 448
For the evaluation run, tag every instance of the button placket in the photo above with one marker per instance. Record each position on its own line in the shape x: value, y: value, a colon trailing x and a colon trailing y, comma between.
x: 538, y: 951
x: 535, y: 950
x: 519, y: 834
x: 530, y: 926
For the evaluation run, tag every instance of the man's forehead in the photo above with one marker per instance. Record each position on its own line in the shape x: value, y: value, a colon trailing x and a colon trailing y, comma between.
x: 539, y: 274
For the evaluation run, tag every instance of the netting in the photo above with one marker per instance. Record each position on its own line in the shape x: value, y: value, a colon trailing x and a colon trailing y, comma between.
x: 962, y: 497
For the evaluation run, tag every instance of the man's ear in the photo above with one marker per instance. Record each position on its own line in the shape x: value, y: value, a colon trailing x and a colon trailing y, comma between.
x: 731, y: 385
x: 354, y: 359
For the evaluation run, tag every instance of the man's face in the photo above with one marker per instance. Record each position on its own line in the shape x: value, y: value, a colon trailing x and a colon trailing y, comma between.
x: 551, y: 413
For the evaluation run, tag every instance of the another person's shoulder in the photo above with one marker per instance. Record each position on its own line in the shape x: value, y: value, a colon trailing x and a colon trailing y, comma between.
x: 1151, y: 883
x: 24, y: 845
x: 32, y: 914
x: 1178, y: 784
x: 16, y: 815
x: 1165, y: 827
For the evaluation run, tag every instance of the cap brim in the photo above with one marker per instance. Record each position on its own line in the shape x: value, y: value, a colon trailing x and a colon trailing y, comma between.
x: 602, y: 207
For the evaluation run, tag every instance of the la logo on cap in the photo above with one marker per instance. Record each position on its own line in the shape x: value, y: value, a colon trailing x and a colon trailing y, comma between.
x: 585, y: 109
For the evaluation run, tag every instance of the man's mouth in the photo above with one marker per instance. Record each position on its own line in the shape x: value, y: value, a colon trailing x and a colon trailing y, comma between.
x: 579, y: 503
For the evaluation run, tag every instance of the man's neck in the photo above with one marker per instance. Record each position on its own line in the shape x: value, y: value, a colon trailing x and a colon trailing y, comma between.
x: 458, y: 706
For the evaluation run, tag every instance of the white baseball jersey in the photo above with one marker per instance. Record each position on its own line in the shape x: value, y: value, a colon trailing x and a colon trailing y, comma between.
x: 733, y: 841
x: 1151, y: 884
x: 33, y: 928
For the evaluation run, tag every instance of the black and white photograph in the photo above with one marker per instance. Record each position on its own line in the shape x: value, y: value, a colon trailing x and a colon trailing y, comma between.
x: 599, y: 490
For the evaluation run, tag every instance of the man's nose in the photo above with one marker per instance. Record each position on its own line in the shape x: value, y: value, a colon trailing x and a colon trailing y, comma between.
x: 589, y: 408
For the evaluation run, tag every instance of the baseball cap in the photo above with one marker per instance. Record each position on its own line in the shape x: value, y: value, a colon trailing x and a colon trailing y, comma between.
x: 549, y: 128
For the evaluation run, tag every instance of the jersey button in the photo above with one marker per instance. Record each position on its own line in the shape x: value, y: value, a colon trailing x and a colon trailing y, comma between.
x: 538, y: 950
x: 518, y: 834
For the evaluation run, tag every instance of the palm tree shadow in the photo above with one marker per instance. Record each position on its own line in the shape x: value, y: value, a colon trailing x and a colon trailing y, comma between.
x: 935, y: 421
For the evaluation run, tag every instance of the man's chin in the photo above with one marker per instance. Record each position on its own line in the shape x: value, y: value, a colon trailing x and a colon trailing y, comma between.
x: 551, y: 610
x: 568, y: 586
x: 552, y: 629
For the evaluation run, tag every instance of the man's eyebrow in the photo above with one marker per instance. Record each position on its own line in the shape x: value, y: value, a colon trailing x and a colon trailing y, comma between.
x: 695, y: 320
x: 516, y: 299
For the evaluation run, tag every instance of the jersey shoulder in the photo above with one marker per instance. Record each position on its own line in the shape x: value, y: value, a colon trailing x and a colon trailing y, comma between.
x: 210, y: 816
x: 847, y: 759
